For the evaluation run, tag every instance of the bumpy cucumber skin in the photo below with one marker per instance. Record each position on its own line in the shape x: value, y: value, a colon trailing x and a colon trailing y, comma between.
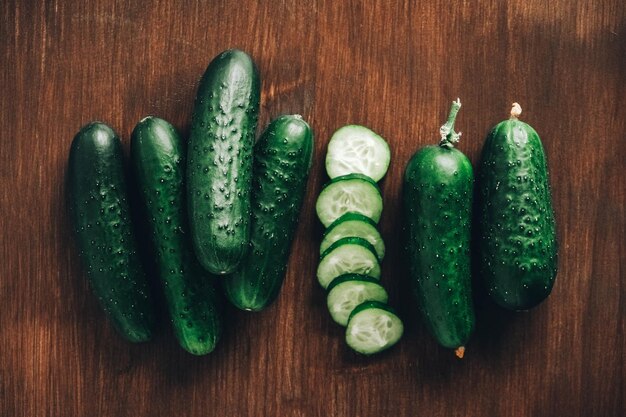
x: 219, y: 170
x: 517, y: 241
x: 282, y: 160
x: 438, y: 186
x: 158, y: 161
x: 101, y: 217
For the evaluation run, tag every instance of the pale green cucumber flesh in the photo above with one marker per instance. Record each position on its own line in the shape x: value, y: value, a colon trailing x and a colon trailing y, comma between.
x: 350, y: 193
x: 347, y: 255
x: 355, y: 225
x: 373, y: 327
x: 357, y: 149
x: 345, y: 296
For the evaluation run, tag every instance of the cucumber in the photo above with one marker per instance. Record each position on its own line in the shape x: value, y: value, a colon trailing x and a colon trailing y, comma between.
x: 349, y: 193
x: 100, y: 215
x: 282, y: 160
x: 354, y: 225
x: 357, y: 149
x: 158, y: 161
x: 219, y: 170
x: 437, y: 192
x: 373, y: 327
x: 348, y: 255
x: 518, y: 244
x: 350, y: 290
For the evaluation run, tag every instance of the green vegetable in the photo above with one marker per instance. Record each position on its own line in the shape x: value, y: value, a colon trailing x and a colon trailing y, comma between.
x: 158, y: 160
x: 355, y: 149
x: 518, y: 245
x: 354, y: 225
x: 373, y: 327
x: 282, y: 159
x: 438, y: 185
x: 356, y: 193
x: 219, y: 170
x: 349, y: 255
x: 100, y: 214
x: 350, y: 290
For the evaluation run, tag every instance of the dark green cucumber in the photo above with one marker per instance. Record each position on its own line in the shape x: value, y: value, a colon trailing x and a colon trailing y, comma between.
x: 518, y: 245
x: 158, y: 161
x: 100, y: 214
x: 282, y: 159
x: 438, y: 184
x: 219, y: 171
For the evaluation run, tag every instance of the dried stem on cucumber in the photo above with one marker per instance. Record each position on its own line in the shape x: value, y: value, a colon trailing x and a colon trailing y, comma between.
x: 448, y: 136
x: 516, y: 110
x: 459, y: 352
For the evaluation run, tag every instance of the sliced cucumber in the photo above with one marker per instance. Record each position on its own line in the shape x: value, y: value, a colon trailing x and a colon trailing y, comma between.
x: 357, y: 149
x: 349, y: 193
x: 373, y: 327
x: 350, y: 290
x: 348, y: 255
x: 356, y: 225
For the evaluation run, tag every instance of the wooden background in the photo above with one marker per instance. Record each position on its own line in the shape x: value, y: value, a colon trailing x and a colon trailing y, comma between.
x: 393, y: 66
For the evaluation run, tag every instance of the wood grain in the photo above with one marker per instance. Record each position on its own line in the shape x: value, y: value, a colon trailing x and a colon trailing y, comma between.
x: 393, y: 66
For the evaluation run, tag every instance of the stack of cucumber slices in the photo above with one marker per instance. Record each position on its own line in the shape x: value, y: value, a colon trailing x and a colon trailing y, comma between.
x: 350, y: 206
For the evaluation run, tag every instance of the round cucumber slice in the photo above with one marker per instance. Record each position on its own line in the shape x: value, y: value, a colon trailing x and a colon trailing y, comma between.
x: 349, y: 193
x: 357, y: 225
x: 348, y: 255
x: 357, y: 149
x: 373, y: 327
x: 348, y: 291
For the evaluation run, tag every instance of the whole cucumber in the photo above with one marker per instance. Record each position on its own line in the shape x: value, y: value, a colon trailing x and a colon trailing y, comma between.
x: 282, y: 159
x: 518, y: 245
x: 437, y: 192
x: 219, y: 170
x: 158, y: 161
x: 100, y: 214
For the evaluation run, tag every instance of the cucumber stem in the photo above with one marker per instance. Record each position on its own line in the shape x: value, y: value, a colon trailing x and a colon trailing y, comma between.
x: 516, y: 110
x: 448, y: 136
x: 460, y: 351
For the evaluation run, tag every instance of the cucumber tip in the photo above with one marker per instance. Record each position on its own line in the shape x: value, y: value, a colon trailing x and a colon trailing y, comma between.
x: 459, y: 352
x: 516, y: 110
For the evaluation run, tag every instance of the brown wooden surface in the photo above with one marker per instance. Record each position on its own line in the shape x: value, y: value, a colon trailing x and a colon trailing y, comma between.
x: 393, y: 66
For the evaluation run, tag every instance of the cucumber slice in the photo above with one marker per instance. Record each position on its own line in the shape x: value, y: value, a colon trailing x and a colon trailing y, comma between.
x: 350, y: 290
x: 348, y: 255
x: 349, y: 193
x: 373, y: 327
x: 357, y: 225
x: 357, y: 149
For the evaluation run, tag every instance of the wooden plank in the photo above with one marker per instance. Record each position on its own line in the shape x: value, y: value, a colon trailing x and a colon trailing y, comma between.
x: 393, y: 66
